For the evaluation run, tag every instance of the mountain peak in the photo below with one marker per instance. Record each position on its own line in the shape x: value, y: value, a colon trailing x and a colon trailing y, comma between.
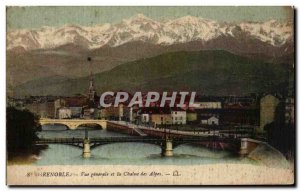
x: 187, y: 19
x: 137, y: 17
x: 141, y: 16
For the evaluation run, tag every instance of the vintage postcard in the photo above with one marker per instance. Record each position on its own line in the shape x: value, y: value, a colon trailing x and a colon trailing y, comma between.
x: 150, y: 95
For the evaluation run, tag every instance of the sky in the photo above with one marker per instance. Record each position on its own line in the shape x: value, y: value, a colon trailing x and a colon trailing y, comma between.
x: 31, y: 17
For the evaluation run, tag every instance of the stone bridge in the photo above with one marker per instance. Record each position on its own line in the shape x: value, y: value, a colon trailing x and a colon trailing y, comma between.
x: 73, y: 123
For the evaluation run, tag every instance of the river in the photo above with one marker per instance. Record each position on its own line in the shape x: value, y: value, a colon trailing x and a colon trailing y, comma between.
x: 127, y: 153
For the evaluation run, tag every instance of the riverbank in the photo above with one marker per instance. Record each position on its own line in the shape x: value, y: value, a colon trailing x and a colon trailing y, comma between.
x: 269, y: 156
x: 216, y: 174
x: 25, y: 157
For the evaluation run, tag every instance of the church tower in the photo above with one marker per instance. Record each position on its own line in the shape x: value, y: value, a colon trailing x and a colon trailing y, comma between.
x: 92, y: 91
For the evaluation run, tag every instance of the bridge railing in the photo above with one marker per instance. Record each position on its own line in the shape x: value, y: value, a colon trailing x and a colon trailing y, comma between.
x: 58, y: 140
x: 126, y: 139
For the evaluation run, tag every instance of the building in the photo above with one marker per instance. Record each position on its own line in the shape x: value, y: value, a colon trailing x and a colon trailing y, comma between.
x: 191, y: 116
x: 58, y: 103
x: 206, y: 113
x: 103, y: 113
x: 145, y: 118
x: 111, y: 113
x: 178, y: 116
x: 64, y: 113
x: 206, y: 107
x: 76, y: 112
x: 75, y: 104
x: 210, y: 121
x: 121, y: 113
x: 207, y: 103
x: 161, y: 119
x: 157, y: 115
x: 88, y: 113
x: 233, y: 102
x: 42, y: 109
x: 268, y: 105
x: 15, y: 102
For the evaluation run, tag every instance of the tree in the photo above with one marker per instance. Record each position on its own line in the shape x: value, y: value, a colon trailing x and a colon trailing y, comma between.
x: 281, y: 135
x: 21, y: 126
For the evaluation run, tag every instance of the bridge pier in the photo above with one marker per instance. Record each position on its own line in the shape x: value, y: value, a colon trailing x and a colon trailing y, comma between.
x: 86, y: 148
x: 248, y: 145
x: 167, y: 148
x: 244, y: 147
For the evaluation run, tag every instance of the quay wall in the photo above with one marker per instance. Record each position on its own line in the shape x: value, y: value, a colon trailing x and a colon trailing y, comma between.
x: 120, y: 129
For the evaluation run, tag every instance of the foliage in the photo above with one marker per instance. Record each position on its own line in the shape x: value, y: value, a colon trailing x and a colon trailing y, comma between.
x: 281, y: 135
x: 21, y: 128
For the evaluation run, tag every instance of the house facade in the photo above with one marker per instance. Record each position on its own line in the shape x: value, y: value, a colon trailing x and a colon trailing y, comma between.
x: 64, y: 113
x: 210, y: 121
x: 161, y: 119
x: 191, y: 116
x: 178, y: 116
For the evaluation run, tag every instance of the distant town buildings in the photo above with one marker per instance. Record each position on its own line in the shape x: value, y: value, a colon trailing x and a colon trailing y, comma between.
x: 208, y: 103
x: 43, y: 109
x: 223, y: 111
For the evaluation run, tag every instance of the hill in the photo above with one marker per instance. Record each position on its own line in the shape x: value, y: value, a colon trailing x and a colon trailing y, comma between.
x: 210, y: 72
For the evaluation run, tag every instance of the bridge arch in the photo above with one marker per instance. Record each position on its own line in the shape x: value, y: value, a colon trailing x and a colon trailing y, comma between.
x: 73, y: 123
x: 56, y: 125
x: 89, y: 125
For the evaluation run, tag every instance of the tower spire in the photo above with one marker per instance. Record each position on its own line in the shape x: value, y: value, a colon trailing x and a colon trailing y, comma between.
x: 92, y: 91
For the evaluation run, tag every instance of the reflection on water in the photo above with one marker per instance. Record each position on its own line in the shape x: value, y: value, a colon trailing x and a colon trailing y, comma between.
x: 127, y: 153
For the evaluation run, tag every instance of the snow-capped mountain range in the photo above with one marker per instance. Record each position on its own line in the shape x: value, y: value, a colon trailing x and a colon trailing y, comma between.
x: 142, y: 28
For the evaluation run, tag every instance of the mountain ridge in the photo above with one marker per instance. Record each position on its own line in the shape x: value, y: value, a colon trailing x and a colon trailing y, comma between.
x: 213, y: 72
x: 142, y: 28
